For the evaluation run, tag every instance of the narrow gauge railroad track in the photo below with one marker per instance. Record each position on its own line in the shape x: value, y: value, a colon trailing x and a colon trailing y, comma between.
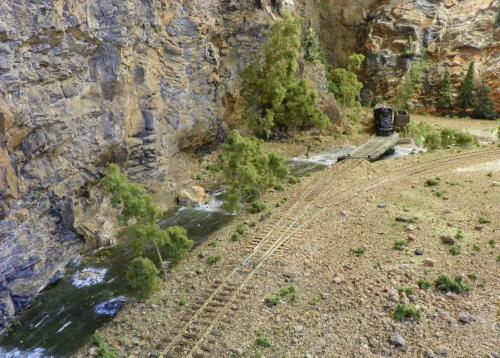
x: 193, y: 337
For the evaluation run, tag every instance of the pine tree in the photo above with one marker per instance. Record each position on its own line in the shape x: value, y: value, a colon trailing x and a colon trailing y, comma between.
x: 445, y: 103
x: 412, y: 83
x: 272, y: 82
x: 466, y: 96
x: 485, y: 106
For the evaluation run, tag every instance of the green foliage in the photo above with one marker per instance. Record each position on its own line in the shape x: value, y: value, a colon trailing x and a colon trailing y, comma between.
x: 424, y: 284
x: 312, y: 47
x: 358, y: 251
x: 412, y: 83
x: 472, y: 276
x: 465, y: 98
x: 212, y: 260
x: 344, y: 83
x: 247, y: 170
x: 142, y: 276
x: 446, y: 284
x: 433, y: 182
x: 492, y: 243
x: 400, y: 245
x: 272, y: 301
x: 410, y: 48
x: 445, y: 100
x: 256, y: 207
x: 263, y: 342
x: 455, y: 250
x: 407, y: 290
x: 485, y: 105
x: 173, y: 239
x: 104, y: 350
x: 432, y: 138
x: 132, y: 198
x: 403, y: 312
x: 273, y: 94
x: 285, y: 293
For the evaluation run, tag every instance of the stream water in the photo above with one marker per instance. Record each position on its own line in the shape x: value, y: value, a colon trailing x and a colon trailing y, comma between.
x: 90, y: 294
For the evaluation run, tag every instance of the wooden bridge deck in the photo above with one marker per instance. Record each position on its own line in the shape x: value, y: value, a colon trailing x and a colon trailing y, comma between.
x: 375, y: 147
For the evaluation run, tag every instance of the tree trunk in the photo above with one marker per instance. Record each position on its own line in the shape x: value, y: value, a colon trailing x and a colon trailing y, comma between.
x: 161, y: 260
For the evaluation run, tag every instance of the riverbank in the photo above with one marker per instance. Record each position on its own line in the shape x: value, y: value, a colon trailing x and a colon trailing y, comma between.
x: 345, y: 300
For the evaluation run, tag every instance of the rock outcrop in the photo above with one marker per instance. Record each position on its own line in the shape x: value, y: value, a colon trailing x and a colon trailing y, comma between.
x: 85, y: 83
x: 449, y: 33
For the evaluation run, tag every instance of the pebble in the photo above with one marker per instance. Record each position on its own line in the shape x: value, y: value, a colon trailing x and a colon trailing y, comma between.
x: 447, y: 239
x: 338, y: 279
x: 444, y: 315
x: 495, y: 183
x: 429, y: 262
x: 411, y: 236
x: 381, y: 206
x: 465, y: 318
x: 451, y: 295
x: 397, y: 340
x: 419, y: 252
x: 393, y: 295
x: 410, y: 227
x: 446, y: 211
x: 495, y: 355
x: 309, y: 355
x: 345, y: 213
x: 299, y: 328
x: 441, y: 351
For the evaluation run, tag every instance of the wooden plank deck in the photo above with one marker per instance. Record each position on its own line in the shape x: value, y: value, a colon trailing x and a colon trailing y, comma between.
x: 375, y: 147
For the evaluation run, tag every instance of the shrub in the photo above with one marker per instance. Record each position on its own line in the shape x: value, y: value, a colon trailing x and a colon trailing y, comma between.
x: 178, y: 244
x: 240, y: 229
x: 344, y: 83
x: 484, y: 221
x: 212, y: 260
x: 247, y: 170
x: 272, y: 301
x: 133, y: 199
x: 104, y: 350
x: 312, y: 47
x: 256, y: 207
x: 412, y: 83
x: 273, y: 94
x: 446, y: 284
x: 403, y: 312
x: 142, y: 276
x: 400, y: 245
x: 288, y: 292
x: 263, y: 342
x: 410, y: 48
x: 455, y: 250
x: 359, y: 251
x: 463, y: 139
x: 407, y: 290
x: 433, y: 182
x: 424, y: 284
x: 432, y: 141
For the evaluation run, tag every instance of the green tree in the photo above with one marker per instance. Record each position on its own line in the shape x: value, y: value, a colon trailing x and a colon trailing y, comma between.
x: 412, y: 83
x: 465, y: 98
x: 312, y: 47
x: 445, y: 100
x: 271, y: 82
x: 142, y: 276
x: 344, y: 83
x: 485, y: 105
x: 132, y: 198
x: 247, y: 170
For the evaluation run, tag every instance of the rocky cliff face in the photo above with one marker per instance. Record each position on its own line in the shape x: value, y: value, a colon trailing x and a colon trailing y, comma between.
x: 85, y: 83
x: 450, y: 33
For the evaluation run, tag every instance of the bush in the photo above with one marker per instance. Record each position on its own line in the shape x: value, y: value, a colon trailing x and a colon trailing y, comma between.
x: 312, y: 47
x: 446, y: 284
x: 142, y: 276
x: 104, y: 350
x: 463, y: 139
x: 344, y: 83
x: 256, y: 207
x: 433, y: 182
x: 407, y: 290
x: 432, y: 141
x: 400, y: 245
x: 178, y: 244
x: 445, y: 100
x: 455, y: 250
x: 403, y: 312
x: 212, y: 260
x: 247, y: 170
x: 274, y: 96
x: 133, y: 199
x: 263, y: 342
x: 424, y: 284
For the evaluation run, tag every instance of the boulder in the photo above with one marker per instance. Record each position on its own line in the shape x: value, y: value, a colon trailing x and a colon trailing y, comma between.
x: 194, y: 195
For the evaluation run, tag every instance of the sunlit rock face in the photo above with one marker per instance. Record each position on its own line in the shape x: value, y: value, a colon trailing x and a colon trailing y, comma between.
x: 85, y: 83
x: 449, y: 33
